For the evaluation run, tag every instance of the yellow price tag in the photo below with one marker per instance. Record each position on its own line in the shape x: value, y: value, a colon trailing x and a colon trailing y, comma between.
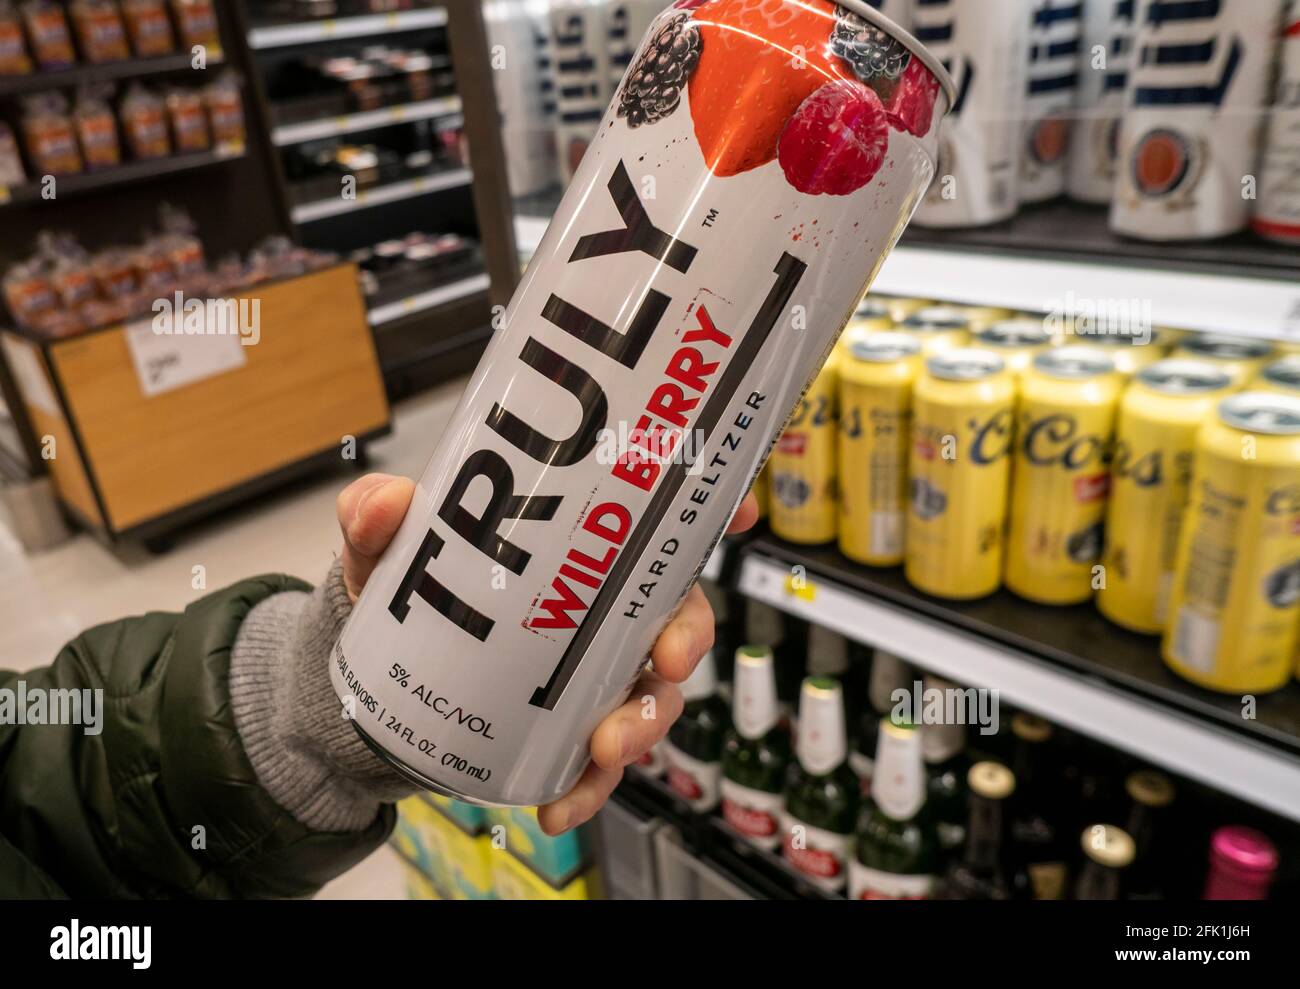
x: 800, y: 587
x: 328, y: 28
x: 393, y: 20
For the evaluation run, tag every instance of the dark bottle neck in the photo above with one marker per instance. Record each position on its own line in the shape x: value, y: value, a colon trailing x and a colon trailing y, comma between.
x: 984, y: 833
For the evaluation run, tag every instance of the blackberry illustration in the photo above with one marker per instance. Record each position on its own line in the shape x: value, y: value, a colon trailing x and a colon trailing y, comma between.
x: 655, y: 83
x: 870, y: 52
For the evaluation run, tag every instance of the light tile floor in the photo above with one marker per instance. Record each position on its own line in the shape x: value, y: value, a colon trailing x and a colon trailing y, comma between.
x: 48, y: 598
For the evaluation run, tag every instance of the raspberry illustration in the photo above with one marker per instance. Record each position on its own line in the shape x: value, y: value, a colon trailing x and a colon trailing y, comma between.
x: 654, y: 84
x: 911, y: 106
x: 836, y: 141
x: 689, y: 4
x: 871, y: 52
x: 748, y: 85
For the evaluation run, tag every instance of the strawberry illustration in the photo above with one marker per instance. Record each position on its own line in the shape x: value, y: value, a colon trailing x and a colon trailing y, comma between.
x: 911, y: 105
x: 760, y: 60
x: 836, y: 141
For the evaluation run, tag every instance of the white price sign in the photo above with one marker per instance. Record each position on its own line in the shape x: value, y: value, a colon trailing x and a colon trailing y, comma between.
x: 167, y: 361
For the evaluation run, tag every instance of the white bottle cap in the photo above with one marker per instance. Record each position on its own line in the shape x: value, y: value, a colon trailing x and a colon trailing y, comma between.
x: 942, y: 740
x: 754, y: 708
x: 820, y: 744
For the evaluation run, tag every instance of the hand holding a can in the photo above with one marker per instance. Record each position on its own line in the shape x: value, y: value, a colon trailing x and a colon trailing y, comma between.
x: 370, y: 511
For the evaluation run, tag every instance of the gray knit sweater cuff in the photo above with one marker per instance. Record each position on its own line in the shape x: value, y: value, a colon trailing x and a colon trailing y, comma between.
x: 305, y: 752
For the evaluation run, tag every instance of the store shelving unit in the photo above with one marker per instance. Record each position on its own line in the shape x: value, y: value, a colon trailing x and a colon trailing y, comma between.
x: 393, y: 192
x: 351, y: 123
x: 1241, y: 285
x: 417, y: 334
x: 267, y: 36
x: 1067, y: 664
x: 133, y: 68
x: 130, y: 173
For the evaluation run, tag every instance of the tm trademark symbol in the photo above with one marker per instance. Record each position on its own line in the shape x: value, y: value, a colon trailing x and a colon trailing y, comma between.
x: 708, y: 220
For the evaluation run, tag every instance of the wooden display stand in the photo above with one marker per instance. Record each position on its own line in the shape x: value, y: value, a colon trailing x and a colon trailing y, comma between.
x: 135, y: 449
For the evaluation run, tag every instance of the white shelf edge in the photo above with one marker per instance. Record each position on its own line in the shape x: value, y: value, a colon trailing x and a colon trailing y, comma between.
x: 307, y: 212
x: 1236, y: 765
x: 1232, y: 304
x: 289, y: 134
x: 281, y: 35
x: 428, y: 300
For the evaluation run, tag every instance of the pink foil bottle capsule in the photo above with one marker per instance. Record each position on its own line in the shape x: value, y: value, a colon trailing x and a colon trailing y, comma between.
x: 758, y: 162
x: 1242, y: 864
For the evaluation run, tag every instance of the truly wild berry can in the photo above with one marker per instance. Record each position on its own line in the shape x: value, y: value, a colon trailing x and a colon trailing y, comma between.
x: 985, y: 47
x: 1234, y: 615
x: 1103, y: 75
x: 959, y: 467
x: 717, y: 236
x: 1054, y: 43
x: 1277, y: 213
x: 1066, y: 423
x: 876, y: 376
x: 802, y: 465
x: 1193, y: 116
x: 1151, y: 474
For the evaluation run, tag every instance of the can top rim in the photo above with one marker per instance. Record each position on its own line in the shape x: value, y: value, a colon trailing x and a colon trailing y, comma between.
x: 1261, y: 412
x: 883, y: 347
x: 938, y: 319
x: 1074, y: 363
x: 869, y: 13
x: 1014, y: 333
x: 1234, y: 348
x: 967, y: 364
x: 1184, y: 376
x: 870, y: 309
x: 1285, y: 372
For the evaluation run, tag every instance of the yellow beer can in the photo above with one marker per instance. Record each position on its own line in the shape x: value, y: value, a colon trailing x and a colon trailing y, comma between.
x: 802, y: 465
x: 1130, y: 346
x: 979, y: 317
x: 900, y: 307
x: 939, y: 328
x: 1281, y: 376
x: 1065, y: 425
x: 963, y: 418
x: 1016, y: 341
x: 1241, y: 358
x: 1159, y: 416
x: 875, y: 407
x: 763, y: 490
x: 872, y: 316
x: 1235, y: 604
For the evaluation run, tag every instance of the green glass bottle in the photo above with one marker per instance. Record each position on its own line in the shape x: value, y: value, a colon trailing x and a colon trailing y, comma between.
x: 897, y: 855
x: 944, y: 747
x: 821, y: 792
x: 888, y: 674
x: 1108, y: 852
x: 756, y: 753
x: 693, y: 749
x: 982, y: 872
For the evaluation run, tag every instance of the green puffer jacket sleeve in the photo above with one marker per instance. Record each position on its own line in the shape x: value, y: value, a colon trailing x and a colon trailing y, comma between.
x: 164, y: 801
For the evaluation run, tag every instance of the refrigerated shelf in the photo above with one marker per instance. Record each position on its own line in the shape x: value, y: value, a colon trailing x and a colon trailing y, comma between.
x: 1068, y: 665
x: 312, y: 32
x: 378, y: 195
x: 312, y: 130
